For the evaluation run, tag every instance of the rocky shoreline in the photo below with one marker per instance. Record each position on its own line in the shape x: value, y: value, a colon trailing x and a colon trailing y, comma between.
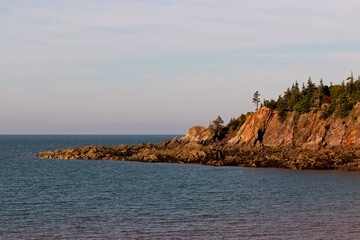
x: 217, y: 154
x: 304, y: 141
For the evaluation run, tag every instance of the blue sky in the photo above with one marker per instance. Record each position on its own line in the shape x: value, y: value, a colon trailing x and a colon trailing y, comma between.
x: 133, y: 67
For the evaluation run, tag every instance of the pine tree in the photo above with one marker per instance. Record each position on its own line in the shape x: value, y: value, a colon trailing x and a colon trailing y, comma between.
x: 217, y: 125
x: 256, y: 99
x: 319, y: 95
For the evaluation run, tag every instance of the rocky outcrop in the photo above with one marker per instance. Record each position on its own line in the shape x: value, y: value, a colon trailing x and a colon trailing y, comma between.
x: 216, y: 155
x: 253, y: 130
x: 169, y: 151
x: 280, y: 133
x: 300, y: 142
x: 295, y: 158
x: 308, y: 130
x: 198, y: 134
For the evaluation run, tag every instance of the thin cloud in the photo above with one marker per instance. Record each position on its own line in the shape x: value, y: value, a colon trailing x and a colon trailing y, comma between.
x: 132, y: 55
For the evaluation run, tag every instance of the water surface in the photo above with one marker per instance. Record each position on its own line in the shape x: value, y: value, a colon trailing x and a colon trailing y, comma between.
x: 49, y: 199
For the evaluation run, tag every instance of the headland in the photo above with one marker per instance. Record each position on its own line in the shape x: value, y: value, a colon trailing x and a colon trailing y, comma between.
x: 315, y: 128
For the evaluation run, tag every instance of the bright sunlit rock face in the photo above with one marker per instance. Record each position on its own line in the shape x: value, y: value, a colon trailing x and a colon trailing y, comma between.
x: 308, y: 131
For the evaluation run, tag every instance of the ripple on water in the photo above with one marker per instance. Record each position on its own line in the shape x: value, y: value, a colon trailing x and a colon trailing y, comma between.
x: 42, y: 199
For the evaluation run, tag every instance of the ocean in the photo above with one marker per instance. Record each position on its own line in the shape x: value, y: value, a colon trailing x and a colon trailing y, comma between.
x: 84, y: 199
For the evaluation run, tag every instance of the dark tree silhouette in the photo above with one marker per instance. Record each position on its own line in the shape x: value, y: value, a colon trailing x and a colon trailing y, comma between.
x: 217, y: 126
x: 256, y: 99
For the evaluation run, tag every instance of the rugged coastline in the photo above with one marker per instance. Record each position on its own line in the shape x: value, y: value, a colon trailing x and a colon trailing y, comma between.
x: 304, y: 142
x: 176, y: 151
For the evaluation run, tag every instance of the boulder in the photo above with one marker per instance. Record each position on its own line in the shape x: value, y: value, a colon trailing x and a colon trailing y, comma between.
x: 198, y: 134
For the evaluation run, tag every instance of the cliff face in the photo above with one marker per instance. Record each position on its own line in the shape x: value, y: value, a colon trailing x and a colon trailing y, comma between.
x: 307, y: 130
x: 252, y: 131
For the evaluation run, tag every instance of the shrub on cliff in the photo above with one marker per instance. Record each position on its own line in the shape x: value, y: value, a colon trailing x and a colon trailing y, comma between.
x: 217, y: 126
x: 233, y: 125
x: 236, y: 123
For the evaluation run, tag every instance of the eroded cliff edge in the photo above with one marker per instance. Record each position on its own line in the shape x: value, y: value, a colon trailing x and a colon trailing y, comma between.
x: 303, y: 141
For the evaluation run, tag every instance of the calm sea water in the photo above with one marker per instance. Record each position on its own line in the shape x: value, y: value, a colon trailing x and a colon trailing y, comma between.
x: 59, y: 199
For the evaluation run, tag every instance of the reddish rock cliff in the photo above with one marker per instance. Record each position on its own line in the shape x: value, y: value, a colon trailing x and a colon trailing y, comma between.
x: 308, y: 130
x: 252, y: 131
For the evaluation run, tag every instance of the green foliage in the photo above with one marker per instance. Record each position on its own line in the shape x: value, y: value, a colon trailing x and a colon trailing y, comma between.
x: 304, y: 105
x: 281, y: 106
x: 337, y: 99
x: 282, y: 115
x: 242, y: 119
x: 296, y: 121
x: 343, y: 106
x: 235, y: 123
x: 217, y: 125
x: 327, y: 112
x: 270, y: 104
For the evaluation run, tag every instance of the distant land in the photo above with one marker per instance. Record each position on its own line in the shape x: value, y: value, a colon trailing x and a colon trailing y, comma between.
x: 308, y: 127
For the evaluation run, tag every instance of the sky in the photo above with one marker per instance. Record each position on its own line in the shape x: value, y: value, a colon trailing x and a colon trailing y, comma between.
x: 162, y: 66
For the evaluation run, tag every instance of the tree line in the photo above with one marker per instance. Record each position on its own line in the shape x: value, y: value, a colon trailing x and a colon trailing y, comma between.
x: 336, y: 100
x: 333, y: 99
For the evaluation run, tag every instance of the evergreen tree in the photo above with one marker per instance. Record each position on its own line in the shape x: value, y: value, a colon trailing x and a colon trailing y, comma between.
x: 319, y: 94
x: 233, y: 124
x: 256, y: 99
x: 217, y: 125
x: 339, y: 99
x: 295, y: 96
